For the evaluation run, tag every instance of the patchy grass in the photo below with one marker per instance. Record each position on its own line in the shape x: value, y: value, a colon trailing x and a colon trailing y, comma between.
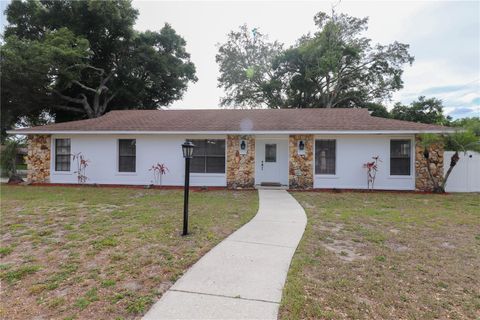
x: 98, y: 253
x: 386, y: 256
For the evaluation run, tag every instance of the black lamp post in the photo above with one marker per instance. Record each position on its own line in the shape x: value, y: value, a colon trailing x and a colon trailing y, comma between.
x: 187, y: 149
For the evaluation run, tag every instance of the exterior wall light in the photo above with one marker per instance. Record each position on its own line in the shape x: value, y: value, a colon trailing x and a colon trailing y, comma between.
x: 243, y: 147
x: 301, y: 147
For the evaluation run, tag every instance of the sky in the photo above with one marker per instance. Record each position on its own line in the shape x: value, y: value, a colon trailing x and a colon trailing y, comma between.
x: 443, y: 36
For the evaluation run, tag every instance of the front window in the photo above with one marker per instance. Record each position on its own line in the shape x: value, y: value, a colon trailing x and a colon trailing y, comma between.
x: 325, y: 156
x: 62, y: 155
x: 127, y: 154
x: 208, y: 156
x: 400, y: 157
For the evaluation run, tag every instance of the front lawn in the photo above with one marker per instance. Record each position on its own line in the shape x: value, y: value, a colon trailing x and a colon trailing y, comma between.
x: 104, y: 253
x: 386, y: 256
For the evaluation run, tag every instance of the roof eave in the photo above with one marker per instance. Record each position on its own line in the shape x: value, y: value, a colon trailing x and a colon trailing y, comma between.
x: 339, y: 132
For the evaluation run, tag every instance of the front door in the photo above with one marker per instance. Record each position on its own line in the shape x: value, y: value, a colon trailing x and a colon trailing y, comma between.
x: 271, y: 161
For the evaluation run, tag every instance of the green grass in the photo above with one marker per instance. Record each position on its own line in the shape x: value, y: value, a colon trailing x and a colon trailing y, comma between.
x: 396, y: 256
x: 85, y: 252
x: 19, y: 273
x: 5, y: 251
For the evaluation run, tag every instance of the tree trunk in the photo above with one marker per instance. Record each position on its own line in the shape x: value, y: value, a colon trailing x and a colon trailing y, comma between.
x: 14, y: 164
x: 436, y: 187
x: 453, y: 162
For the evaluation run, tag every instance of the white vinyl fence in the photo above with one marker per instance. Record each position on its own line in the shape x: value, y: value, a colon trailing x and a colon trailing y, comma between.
x: 465, y: 176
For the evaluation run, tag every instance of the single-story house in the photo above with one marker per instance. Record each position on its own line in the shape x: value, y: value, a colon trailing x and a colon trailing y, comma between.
x: 296, y: 148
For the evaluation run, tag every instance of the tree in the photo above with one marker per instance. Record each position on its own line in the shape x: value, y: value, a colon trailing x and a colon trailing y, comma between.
x: 460, y: 141
x: 377, y: 110
x: 246, y: 74
x: 31, y: 69
x: 472, y: 124
x: 423, y: 110
x: 87, y: 59
x: 9, y: 156
x: 336, y: 67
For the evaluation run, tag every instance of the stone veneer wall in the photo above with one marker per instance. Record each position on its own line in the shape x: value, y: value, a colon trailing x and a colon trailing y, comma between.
x: 300, y: 167
x: 38, y: 158
x: 422, y: 178
x: 240, y: 167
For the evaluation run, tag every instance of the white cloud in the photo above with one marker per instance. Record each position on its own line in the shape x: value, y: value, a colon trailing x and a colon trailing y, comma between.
x: 443, y: 37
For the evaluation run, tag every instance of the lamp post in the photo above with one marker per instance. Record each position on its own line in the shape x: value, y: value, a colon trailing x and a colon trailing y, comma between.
x: 187, y: 149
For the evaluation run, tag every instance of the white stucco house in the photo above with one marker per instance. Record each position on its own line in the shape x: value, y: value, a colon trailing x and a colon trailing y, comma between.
x: 296, y: 148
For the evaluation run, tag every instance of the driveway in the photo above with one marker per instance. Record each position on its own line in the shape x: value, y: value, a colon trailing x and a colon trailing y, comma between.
x: 243, y: 276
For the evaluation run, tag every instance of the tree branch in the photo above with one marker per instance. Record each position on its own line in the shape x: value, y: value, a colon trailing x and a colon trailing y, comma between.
x: 106, y: 102
x: 83, y: 101
x: 87, y: 66
x: 84, y: 86
x: 70, y: 99
x: 104, y: 81
x: 110, y: 98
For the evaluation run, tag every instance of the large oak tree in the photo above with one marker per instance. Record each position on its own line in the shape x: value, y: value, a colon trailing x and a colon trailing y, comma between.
x: 79, y: 59
x: 335, y: 67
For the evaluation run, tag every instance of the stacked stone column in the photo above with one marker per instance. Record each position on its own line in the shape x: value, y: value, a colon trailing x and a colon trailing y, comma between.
x: 240, y: 167
x: 423, y: 182
x: 300, y: 166
x: 38, y: 158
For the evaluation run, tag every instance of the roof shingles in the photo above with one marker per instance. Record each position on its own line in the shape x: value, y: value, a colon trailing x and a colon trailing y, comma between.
x: 259, y: 120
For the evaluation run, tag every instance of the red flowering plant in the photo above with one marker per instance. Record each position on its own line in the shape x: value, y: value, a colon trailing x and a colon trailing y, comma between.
x: 159, y: 170
x: 82, y: 165
x: 372, y: 168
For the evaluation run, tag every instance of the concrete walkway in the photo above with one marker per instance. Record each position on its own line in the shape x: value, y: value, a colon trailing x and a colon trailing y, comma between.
x: 243, y: 276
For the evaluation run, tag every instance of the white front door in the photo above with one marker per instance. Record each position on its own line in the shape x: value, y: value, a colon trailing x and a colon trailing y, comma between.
x: 271, y: 161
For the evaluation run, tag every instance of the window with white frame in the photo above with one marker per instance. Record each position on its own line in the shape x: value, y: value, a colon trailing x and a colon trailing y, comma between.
x: 325, y: 156
x: 127, y: 155
x: 400, y: 157
x: 208, y: 156
x: 62, y: 155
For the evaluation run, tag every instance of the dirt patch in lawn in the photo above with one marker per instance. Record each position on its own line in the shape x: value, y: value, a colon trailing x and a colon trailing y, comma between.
x: 386, y: 256
x: 345, y: 250
x: 87, y: 253
x: 334, y: 240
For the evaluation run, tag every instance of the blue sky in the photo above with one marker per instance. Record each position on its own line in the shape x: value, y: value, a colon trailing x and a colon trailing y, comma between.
x: 444, y: 38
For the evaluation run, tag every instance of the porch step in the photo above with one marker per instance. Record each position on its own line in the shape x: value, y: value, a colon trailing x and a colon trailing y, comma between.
x: 269, y: 187
x: 270, y: 184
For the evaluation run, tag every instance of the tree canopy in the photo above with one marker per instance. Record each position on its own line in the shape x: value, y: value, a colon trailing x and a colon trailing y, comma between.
x: 472, y: 124
x: 335, y: 67
x: 80, y: 59
x: 422, y: 110
x: 246, y: 74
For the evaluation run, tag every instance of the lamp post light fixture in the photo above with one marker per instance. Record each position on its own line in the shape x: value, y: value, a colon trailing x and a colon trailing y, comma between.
x: 187, y: 149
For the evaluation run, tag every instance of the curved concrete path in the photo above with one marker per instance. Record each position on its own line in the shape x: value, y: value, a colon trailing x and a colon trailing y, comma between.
x: 243, y: 276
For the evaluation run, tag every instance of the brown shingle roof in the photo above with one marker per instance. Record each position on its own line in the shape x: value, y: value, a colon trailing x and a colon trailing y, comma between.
x: 264, y: 120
